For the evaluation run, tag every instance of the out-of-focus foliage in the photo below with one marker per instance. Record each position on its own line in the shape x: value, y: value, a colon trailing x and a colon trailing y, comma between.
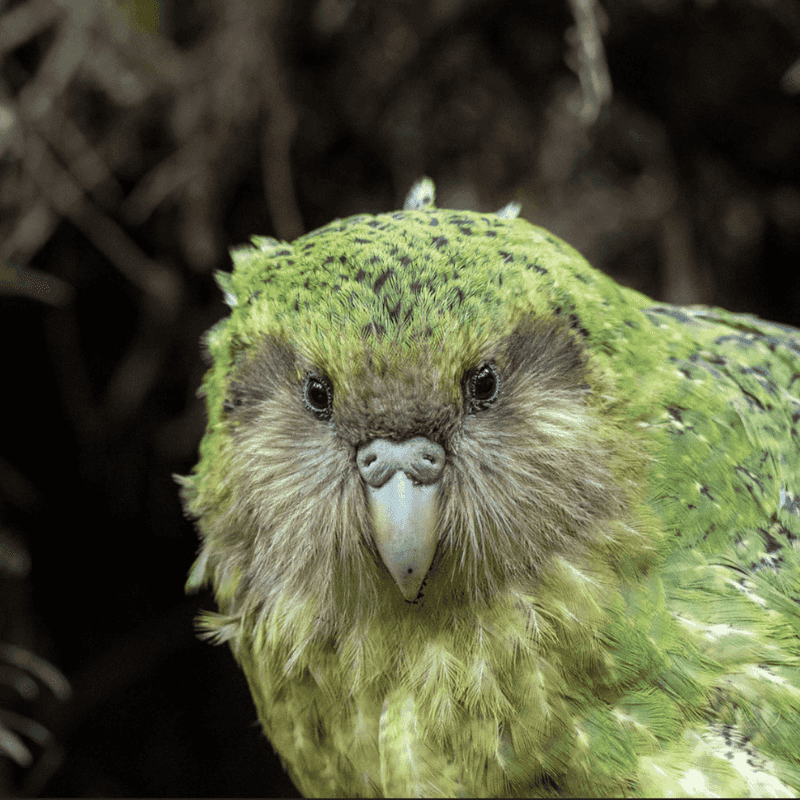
x: 139, y: 140
x: 143, y: 15
x: 29, y: 753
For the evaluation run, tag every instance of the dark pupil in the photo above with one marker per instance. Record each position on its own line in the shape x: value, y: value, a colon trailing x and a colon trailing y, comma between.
x: 317, y: 395
x: 483, y: 387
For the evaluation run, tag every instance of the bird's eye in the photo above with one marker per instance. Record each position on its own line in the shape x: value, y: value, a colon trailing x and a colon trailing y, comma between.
x: 482, y: 387
x: 318, y: 396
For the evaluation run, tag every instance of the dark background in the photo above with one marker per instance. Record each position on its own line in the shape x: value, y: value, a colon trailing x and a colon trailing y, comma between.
x: 140, y: 140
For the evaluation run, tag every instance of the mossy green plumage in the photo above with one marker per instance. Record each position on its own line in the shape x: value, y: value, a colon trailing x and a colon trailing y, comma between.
x: 613, y: 607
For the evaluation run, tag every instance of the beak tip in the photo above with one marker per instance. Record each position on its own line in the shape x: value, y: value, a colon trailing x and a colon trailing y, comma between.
x: 409, y: 585
x: 410, y: 595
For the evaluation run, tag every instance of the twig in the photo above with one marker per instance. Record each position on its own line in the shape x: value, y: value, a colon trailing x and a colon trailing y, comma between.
x: 587, y: 58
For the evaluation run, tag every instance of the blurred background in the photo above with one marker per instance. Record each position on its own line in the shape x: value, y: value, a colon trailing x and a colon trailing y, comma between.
x: 140, y: 139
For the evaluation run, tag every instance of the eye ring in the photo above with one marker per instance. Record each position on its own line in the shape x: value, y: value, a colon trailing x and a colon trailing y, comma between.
x: 482, y: 387
x: 318, y: 396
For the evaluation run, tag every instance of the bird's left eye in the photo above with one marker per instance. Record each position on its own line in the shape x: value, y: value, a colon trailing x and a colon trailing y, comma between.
x: 318, y: 396
x: 482, y: 387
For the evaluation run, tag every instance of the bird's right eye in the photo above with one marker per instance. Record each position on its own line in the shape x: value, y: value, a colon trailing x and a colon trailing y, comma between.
x: 318, y: 396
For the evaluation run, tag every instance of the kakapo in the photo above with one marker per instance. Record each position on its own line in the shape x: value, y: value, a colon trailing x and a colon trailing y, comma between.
x: 481, y: 521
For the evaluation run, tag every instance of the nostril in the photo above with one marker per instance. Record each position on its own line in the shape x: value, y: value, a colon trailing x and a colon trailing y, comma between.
x: 420, y: 459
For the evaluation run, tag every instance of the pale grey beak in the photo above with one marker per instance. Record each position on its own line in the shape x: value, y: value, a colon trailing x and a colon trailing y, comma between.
x: 402, y: 491
x: 404, y: 527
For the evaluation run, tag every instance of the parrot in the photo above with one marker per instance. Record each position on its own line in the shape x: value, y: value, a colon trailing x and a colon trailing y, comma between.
x: 480, y: 521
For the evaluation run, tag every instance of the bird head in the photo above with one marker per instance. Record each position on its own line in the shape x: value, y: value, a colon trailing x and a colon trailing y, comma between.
x: 404, y: 416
